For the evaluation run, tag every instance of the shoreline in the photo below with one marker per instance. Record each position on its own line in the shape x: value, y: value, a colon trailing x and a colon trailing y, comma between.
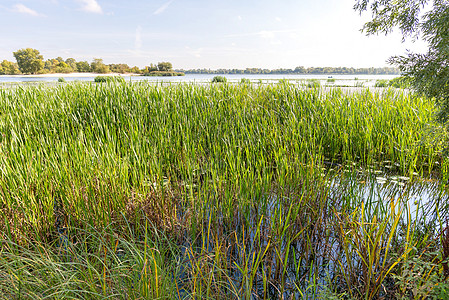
x: 57, y: 75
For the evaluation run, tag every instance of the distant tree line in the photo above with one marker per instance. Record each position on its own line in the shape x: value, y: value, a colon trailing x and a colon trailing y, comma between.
x: 30, y: 61
x: 300, y: 70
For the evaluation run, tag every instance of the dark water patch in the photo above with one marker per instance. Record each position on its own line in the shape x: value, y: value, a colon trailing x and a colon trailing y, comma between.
x: 294, y: 244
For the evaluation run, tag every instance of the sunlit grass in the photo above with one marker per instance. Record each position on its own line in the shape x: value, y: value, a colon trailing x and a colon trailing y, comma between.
x: 207, y: 190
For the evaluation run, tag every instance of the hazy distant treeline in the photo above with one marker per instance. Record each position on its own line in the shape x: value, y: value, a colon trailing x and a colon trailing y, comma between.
x: 30, y: 61
x: 300, y: 70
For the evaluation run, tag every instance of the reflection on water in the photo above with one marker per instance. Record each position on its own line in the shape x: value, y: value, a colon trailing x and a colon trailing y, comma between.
x: 296, y: 243
x: 420, y: 195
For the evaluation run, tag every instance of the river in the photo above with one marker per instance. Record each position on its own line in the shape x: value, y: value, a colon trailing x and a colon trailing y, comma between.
x: 340, y: 80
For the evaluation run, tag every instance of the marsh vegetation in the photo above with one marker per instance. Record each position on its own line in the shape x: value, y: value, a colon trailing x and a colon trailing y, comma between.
x: 220, y: 191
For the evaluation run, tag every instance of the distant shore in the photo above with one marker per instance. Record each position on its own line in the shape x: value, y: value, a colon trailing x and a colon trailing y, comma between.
x: 57, y: 75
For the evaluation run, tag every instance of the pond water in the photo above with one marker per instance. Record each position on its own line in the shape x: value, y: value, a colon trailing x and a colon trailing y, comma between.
x: 421, y: 195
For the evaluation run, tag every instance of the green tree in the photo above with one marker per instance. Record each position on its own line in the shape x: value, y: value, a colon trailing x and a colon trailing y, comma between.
x: 29, y: 60
x: 10, y: 68
x: 71, y: 62
x: 63, y: 68
x: 97, y: 66
x: 50, y: 65
x: 300, y: 70
x: 149, y: 69
x: 164, y: 66
x: 83, y: 66
x: 135, y: 70
x: 119, y: 68
x: 152, y: 68
x: 417, y: 19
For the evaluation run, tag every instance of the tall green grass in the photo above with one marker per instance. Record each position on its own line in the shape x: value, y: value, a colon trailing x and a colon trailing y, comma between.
x: 209, y: 191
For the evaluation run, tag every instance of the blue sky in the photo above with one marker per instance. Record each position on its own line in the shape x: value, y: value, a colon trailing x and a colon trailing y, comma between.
x: 197, y: 33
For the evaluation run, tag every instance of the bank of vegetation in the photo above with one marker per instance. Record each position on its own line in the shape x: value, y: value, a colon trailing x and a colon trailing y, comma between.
x: 300, y: 71
x: 30, y: 61
x: 216, y: 191
x: 164, y: 73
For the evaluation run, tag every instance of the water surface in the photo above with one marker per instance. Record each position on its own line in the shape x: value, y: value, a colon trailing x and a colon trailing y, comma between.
x: 346, y: 80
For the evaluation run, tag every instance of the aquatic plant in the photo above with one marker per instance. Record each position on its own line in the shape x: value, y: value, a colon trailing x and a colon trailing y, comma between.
x: 313, y: 83
x: 109, y: 79
x: 218, y: 79
x: 381, y: 83
x: 400, y: 82
x: 213, y: 191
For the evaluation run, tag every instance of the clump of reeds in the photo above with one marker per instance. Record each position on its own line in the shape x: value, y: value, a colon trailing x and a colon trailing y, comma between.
x: 206, y: 191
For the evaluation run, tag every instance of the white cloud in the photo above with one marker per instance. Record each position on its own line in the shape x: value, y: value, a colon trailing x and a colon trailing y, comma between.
x: 20, y: 8
x: 197, y: 53
x: 91, y: 6
x: 267, y: 34
x: 162, y: 8
x: 138, y: 40
x: 194, y: 52
x: 271, y: 36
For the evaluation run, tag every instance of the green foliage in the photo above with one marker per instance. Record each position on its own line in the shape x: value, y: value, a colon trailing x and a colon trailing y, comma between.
x: 63, y: 67
x: 119, y: 68
x: 300, y: 70
x: 29, y: 60
x: 58, y: 65
x: 143, y: 191
x: 10, y: 68
x: 83, y: 67
x: 101, y: 79
x: 99, y: 265
x: 401, y: 82
x: 331, y: 80
x: 135, y: 70
x: 109, y: 79
x: 219, y: 79
x: 164, y: 73
x: 61, y: 79
x: 245, y: 81
x: 283, y: 81
x: 97, y: 66
x: 164, y: 66
x: 381, y: 83
x: 50, y: 65
x: 149, y: 69
x: 71, y: 62
x: 313, y: 83
x: 419, y: 19
x: 420, y: 277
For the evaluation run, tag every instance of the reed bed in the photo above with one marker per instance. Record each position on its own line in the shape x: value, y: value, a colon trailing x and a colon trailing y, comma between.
x: 216, y: 191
